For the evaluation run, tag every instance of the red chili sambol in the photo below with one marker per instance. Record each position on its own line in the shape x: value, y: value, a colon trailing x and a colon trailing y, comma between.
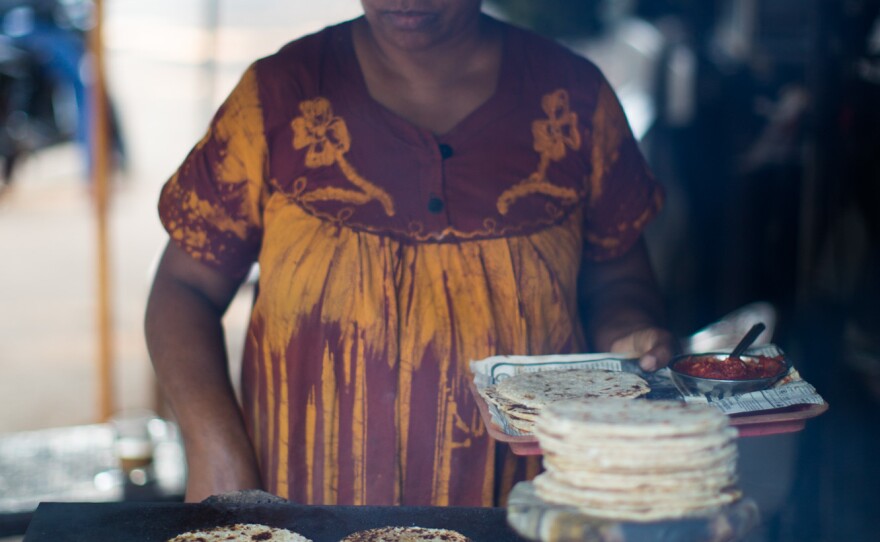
x: 731, y: 368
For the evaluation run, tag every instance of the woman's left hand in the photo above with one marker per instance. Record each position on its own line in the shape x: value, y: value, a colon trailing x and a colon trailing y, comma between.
x: 655, y: 346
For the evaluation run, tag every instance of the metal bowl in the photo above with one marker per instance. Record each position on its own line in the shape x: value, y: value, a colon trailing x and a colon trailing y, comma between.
x: 717, y: 388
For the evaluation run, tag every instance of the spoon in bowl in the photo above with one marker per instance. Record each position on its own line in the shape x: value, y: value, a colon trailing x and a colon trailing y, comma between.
x: 747, y: 340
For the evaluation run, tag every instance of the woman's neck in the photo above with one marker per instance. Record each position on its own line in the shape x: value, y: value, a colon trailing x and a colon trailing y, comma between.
x: 446, y: 61
x: 434, y: 87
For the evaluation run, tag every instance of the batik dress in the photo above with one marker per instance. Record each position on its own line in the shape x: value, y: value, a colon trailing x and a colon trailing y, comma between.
x: 390, y: 257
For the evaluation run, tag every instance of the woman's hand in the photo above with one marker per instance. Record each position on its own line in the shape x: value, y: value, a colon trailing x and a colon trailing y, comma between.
x: 654, y: 346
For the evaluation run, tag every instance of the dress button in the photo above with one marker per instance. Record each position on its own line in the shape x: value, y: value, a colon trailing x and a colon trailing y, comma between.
x: 445, y: 151
x: 435, y: 204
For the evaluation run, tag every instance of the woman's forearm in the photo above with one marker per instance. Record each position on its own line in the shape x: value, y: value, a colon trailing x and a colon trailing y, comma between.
x: 186, y: 343
x: 624, y: 310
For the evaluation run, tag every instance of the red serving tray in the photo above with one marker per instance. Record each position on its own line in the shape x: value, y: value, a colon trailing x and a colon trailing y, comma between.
x: 749, y: 424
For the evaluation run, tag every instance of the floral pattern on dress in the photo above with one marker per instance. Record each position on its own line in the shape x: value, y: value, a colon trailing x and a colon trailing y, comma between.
x: 553, y: 137
x: 328, y: 140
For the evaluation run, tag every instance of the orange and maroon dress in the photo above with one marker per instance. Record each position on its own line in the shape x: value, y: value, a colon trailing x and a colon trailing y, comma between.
x: 390, y: 257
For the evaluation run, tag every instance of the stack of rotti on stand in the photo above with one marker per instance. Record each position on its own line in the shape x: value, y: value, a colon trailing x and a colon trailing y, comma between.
x: 620, y: 468
x: 637, y: 460
x: 630, y: 455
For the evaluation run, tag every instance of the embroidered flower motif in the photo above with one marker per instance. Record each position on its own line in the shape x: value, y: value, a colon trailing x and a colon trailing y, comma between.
x: 327, y: 139
x: 559, y: 131
x: 552, y: 137
x: 326, y: 136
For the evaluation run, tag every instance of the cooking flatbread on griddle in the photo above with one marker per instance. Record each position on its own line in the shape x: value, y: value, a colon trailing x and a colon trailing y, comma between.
x: 406, y: 534
x: 250, y: 532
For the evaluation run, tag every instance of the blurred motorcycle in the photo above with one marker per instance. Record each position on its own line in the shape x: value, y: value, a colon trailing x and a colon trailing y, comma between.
x: 44, y: 80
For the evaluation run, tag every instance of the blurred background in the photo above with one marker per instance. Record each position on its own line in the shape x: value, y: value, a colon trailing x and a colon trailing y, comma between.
x: 761, y: 118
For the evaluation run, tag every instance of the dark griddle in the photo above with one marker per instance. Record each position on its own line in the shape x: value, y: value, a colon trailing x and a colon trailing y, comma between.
x: 157, y: 522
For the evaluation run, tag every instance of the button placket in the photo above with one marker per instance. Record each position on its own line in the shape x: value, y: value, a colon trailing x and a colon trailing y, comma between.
x: 436, y: 204
x: 445, y: 151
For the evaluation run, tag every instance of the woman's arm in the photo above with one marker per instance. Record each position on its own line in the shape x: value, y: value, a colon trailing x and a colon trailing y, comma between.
x: 186, y: 344
x: 623, y: 308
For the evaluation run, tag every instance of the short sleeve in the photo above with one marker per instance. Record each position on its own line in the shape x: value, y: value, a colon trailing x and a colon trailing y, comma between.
x: 211, y: 206
x: 623, y: 195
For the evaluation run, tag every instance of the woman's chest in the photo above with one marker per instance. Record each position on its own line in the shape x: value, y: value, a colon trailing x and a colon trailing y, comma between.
x: 509, y: 173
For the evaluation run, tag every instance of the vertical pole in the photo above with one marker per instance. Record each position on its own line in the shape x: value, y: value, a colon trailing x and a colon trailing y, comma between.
x: 99, y: 170
x: 209, y: 62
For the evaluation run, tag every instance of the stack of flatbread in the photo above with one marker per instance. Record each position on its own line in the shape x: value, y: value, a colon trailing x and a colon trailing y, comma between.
x: 637, y: 460
x: 520, y: 398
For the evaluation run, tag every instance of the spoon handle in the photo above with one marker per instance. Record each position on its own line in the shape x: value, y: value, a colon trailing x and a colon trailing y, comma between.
x: 748, y: 339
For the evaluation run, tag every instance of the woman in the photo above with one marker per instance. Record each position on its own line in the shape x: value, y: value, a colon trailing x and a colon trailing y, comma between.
x: 422, y: 187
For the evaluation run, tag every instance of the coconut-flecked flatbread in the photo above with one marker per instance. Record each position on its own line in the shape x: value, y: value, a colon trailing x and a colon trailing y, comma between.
x: 250, y: 532
x: 634, y: 505
x: 718, y: 478
x: 622, y: 462
x: 538, y: 389
x: 655, y: 451
x: 510, y: 408
x: 523, y: 426
x: 694, y: 492
x: 563, y: 443
x: 406, y: 534
x: 637, y: 419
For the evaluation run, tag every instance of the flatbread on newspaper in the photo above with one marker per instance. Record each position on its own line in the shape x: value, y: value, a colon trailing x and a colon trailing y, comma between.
x: 250, y: 532
x: 536, y: 390
x: 509, y: 407
x: 406, y: 534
